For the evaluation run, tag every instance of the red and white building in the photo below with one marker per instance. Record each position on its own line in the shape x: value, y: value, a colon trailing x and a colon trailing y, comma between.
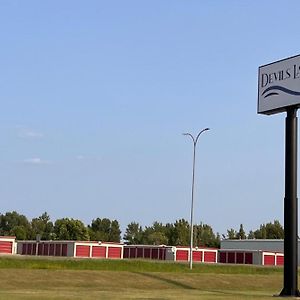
x: 84, y: 249
x: 251, y: 257
x: 256, y: 251
x: 178, y: 253
x: 204, y: 255
x: 161, y: 252
x: 7, y: 244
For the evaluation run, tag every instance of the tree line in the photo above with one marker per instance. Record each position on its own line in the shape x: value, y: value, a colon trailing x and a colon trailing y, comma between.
x: 265, y: 231
x: 15, y: 224
x: 177, y: 233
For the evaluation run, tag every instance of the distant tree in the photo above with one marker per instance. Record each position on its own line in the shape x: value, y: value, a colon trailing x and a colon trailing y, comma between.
x: 20, y: 232
x: 261, y: 233
x: 70, y: 229
x: 157, y: 238
x: 155, y: 234
x: 275, y: 230
x: 251, y: 235
x: 133, y: 234
x: 170, y: 233
x: 231, y: 234
x: 241, y: 235
x: 181, y: 233
x: 115, y: 232
x: 204, y: 236
x: 12, y: 223
x: 104, y: 230
x: 270, y: 231
x: 99, y: 229
x: 42, y: 226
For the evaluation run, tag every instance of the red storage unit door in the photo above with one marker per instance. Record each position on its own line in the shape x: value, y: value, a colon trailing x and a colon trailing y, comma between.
x: 249, y: 258
x: 210, y: 256
x: 133, y: 252
x: 34, y: 249
x: 46, y: 249
x: 182, y: 255
x: 82, y: 251
x: 29, y: 249
x: 231, y: 258
x: 114, y: 252
x: 197, y: 255
x: 162, y: 254
x: 64, y: 250
x: 24, y: 248
x: 223, y: 257
x: 98, y: 251
x: 240, y: 257
x: 40, y: 249
x: 140, y: 252
x: 269, y: 260
x: 154, y: 253
x: 51, y: 249
x: 6, y: 247
x: 58, y: 250
x: 126, y: 252
x: 279, y: 260
x: 147, y: 253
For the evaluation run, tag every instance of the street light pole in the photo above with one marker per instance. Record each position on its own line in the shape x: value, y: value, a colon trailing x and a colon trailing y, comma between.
x: 195, y: 140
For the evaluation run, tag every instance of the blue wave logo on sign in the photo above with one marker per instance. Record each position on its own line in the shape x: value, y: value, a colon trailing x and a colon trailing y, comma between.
x: 272, y: 91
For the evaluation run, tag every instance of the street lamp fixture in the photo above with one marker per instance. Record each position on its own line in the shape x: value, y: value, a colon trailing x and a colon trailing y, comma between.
x: 195, y: 140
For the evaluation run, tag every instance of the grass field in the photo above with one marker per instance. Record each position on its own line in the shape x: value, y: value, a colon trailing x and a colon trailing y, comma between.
x: 40, y: 278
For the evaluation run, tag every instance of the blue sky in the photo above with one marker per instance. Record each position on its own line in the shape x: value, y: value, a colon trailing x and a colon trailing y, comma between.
x: 95, y: 95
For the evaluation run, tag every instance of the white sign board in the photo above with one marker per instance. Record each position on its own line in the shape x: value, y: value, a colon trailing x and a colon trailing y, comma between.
x: 279, y: 85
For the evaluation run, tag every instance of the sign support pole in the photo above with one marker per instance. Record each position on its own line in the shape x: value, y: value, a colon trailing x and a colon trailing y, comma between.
x: 290, y: 280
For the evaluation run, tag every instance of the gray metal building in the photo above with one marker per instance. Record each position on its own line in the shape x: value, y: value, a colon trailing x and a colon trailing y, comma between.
x: 257, y: 244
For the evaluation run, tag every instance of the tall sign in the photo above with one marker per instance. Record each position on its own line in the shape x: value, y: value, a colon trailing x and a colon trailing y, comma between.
x: 279, y: 86
x: 279, y: 91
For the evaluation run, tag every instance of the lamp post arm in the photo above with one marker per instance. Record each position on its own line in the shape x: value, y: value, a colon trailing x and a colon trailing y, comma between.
x: 188, y: 134
x: 205, y: 129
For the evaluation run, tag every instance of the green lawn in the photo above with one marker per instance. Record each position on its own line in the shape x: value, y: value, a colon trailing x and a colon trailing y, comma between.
x: 36, y: 278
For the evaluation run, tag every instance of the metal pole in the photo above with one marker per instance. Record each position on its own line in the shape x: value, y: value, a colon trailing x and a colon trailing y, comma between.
x: 193, y: 185
x: 192, y: 209
x: 290, y: 280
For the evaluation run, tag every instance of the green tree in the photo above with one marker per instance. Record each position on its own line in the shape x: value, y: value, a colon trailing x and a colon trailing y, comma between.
x: 231, y: 234
x: 204, y: 236
x: 134, y: 234
x: 99, y: 229
x: 70, y: 229
x: 170, y: 233
x: 115, y: 232
x: 157, y: 238
x: 270, y: 231
x: 261, y: 233
x: 42, y: 226
x: 241, y: 235
x: 155, y: 234
x: 20, y: 232
x: 251, y: 235
x: 274, y: 230
x: 105, y: 230
x: 12, y: 223
x: 181, y: 233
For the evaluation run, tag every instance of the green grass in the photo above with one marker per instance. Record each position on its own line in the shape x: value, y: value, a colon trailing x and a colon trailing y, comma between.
x: 88, y: 284
x: 27, y: 262
x: 60, y: 279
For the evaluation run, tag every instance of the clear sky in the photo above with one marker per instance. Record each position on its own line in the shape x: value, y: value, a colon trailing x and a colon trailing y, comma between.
x: 95, y: 95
